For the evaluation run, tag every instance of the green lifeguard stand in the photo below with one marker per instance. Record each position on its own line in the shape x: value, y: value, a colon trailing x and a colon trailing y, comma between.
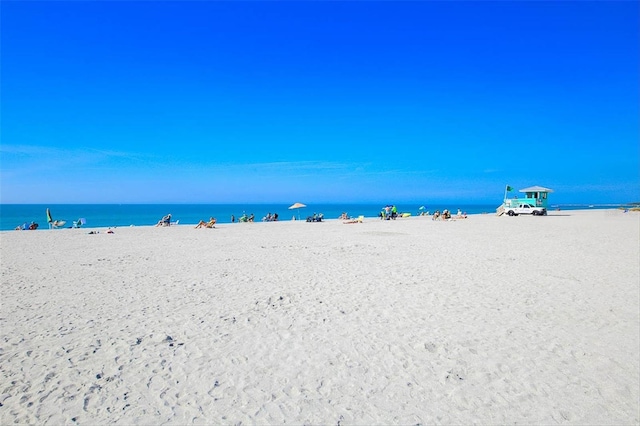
x: 537, y: 196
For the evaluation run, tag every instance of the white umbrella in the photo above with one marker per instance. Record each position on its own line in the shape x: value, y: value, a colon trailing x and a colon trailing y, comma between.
x: 297, y: 206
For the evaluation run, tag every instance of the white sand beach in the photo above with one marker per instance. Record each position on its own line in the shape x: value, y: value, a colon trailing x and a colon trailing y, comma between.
x: 485, y: 320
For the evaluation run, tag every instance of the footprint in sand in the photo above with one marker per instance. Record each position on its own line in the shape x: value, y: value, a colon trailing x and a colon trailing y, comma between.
x: 431, y: 347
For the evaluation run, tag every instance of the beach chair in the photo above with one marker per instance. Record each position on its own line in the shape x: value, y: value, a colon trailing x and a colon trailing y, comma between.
x: 79, y: 223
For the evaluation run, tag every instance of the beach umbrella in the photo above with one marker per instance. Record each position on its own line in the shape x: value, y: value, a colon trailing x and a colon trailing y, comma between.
x: 421, y: 208
x: 54, y: 223
x: 297, y: 206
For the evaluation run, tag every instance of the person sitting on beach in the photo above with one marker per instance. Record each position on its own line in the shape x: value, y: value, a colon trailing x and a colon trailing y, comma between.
x: 165, y: 221
x: 210, y: 224
x: 33, y: 226
x: 21, y: 227
x: 354, y: 220
x: 436, y: 215
x: 344, y: 216
x: 270, y: 217
x: 315, y: 218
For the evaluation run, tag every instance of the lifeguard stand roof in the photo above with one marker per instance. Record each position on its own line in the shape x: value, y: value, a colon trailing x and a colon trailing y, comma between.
x: 536, y: 189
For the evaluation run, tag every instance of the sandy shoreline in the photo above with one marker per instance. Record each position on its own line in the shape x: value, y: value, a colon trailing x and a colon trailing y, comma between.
x: 483, y: 320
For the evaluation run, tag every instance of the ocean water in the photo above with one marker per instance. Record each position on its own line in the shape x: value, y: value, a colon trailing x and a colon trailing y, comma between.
x: 114, y: 215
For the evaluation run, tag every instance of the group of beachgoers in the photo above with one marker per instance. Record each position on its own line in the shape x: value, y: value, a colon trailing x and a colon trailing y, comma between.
x: 446, y: 215
x: 270, y: 217
x: 166, y: 220
x: 316, y: 217
x: 27, y: 226
x: 53, y: 224
x: 244, y: 218
x: 388, y: 212
x: 252, y: 217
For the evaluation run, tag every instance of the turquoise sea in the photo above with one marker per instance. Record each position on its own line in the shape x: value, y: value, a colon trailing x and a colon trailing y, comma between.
x: 114, y: 215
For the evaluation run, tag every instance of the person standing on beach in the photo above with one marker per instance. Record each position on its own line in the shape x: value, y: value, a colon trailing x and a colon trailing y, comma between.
x: 233, y: 218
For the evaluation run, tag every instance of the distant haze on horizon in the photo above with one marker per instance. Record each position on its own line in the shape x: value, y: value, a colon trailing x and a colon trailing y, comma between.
x: 318, y: 102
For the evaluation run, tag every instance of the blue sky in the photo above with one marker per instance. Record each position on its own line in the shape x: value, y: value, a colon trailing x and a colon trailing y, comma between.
x: 324, y: 101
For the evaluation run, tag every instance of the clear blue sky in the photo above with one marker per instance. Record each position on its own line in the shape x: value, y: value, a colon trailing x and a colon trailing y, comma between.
x: 322, y: 101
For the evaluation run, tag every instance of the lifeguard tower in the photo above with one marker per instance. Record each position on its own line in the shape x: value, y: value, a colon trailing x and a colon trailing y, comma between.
x: 537, y: 196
